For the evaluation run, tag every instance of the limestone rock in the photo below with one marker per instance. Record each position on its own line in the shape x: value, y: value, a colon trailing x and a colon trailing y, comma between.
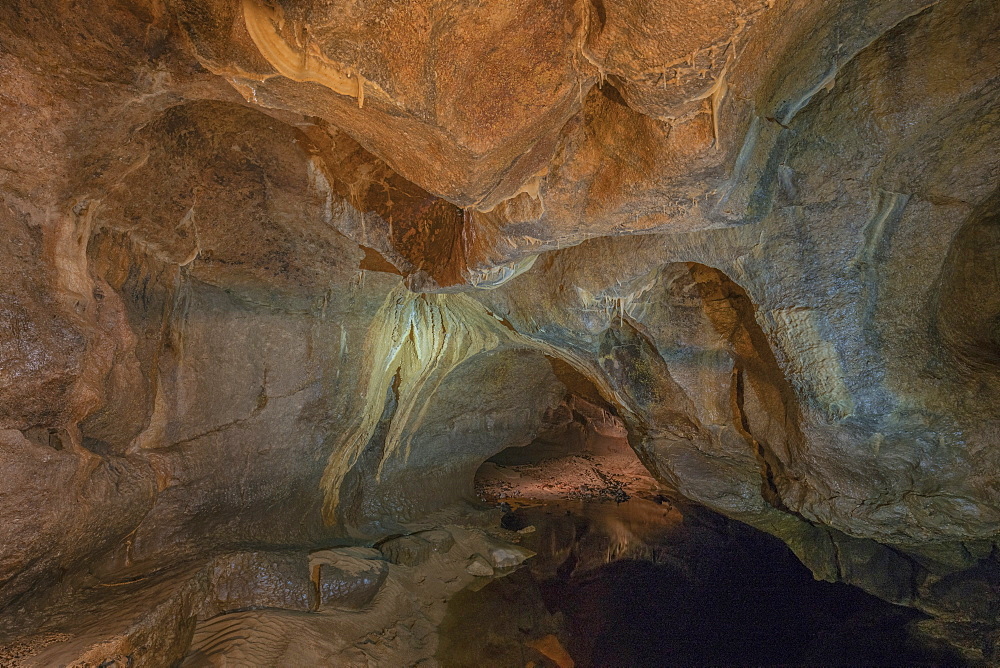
x: 279, y: 273
x: 509, y: 556
x: 440, y: 539
x: 479, y: 566
x: 248, y: 580
x: 347, y: 577
x: 407, y: 550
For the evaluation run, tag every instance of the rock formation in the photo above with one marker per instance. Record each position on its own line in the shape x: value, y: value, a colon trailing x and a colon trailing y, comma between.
x: 283, y: 273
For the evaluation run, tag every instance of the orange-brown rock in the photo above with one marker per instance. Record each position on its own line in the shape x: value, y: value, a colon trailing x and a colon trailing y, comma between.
x: 285, y: 273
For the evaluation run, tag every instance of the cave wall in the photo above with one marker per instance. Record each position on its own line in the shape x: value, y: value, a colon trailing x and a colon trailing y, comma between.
x: 272, y: 267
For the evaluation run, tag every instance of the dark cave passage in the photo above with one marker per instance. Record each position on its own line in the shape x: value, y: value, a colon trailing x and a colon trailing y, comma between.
x: 628, y: 574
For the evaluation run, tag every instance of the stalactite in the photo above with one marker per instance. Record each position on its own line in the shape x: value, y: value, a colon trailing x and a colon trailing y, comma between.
x: 420, y: 338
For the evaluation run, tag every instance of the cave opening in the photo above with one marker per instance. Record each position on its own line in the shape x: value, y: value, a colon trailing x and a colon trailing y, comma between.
x: 627, y: 572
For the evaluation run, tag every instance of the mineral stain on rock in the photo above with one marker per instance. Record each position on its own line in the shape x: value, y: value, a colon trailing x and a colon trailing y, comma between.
x: 279, y: 278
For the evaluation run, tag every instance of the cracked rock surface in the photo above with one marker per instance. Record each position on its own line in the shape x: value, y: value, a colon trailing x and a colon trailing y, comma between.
x: 280, y: 276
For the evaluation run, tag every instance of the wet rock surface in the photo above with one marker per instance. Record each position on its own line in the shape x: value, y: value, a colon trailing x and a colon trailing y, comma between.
x: 337, y: 606
x: 347, y: 578
x: 259, y: 580
x: 280, y: 276
x: 406, y: 550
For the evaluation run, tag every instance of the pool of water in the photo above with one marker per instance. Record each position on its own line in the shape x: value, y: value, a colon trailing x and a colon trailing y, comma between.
x: 648, y: 583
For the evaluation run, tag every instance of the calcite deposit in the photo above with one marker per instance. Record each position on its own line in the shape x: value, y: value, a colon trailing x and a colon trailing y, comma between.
x: 278, y: 276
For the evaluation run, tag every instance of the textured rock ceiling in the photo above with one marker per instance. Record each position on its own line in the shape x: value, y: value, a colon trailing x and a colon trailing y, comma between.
x: 280, y: 271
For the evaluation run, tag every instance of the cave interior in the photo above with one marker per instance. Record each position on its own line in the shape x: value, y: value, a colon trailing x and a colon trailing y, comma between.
x: 544, y: 333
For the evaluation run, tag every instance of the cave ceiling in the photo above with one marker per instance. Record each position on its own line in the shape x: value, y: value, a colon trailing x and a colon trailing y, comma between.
x: 281, y: 270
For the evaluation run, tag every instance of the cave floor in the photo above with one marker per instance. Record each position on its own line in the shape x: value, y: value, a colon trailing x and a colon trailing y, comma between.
x: 619, y: 572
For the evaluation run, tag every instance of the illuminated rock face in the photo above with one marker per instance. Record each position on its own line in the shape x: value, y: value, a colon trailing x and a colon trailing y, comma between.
x: 278, y: 272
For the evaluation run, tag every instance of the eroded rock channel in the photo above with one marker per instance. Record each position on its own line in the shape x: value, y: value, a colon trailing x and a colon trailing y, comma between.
x: 294, y: 293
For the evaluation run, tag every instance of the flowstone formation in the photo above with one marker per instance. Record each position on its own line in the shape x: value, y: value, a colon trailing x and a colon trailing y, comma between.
x: 280, y: 275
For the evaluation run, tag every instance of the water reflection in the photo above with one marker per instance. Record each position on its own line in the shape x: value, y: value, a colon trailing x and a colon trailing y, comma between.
x: 627, y: 575
x: 572, y: 537
x: 652, y: 583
